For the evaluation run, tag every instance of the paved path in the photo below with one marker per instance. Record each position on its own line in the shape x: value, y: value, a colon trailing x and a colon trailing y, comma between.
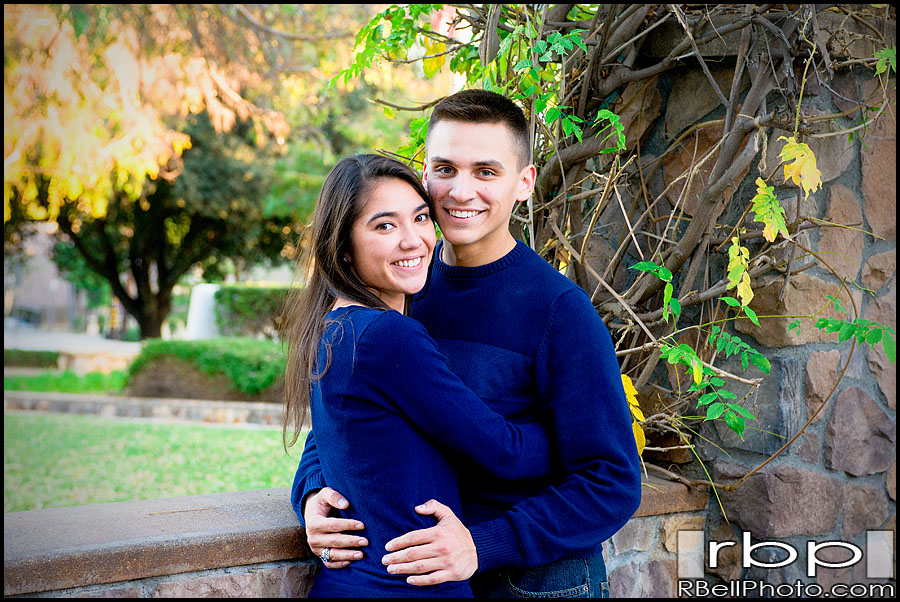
x: 68, y: 342
x: 256, y: 414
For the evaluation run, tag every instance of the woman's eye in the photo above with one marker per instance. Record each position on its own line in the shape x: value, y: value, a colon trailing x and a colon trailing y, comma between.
x: 385, y: 226
x: 423, y: 217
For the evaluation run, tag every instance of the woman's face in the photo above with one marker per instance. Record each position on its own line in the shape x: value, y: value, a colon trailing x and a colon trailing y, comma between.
x: 392, y: 241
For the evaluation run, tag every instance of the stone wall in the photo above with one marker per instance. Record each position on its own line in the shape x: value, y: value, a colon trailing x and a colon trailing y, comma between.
x: 249, y: 544
x: 837, y: 480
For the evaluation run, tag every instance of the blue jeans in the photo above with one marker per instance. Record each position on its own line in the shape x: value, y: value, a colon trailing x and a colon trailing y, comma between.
x: 570, y: 578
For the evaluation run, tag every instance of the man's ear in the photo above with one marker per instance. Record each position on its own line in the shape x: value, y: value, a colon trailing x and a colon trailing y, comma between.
x: 425, y: 175
x: 527, y: 179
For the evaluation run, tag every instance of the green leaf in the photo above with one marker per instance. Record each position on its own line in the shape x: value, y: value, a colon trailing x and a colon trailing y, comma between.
x: 769, y: 211
x: 751, y: 314
x: 705, y: 399
x: 793, y: 325
x: 667, y: 296
x: 664, y: 274
x: 676, y: 306
x: 735, y: 423
x: 890, y: 347
x: 645, y: 266
x: 873, y: 336
x: 745, y: 361
x: 523, y: 64
x: 553, y: 113
x: 761, y: 362
x: 716, y: 381
x: 726, y: 394
x: 715, y: 410
x: 846, y: 331
x: 731, y: 301
x: 837, y: 303
x: 742, y: 411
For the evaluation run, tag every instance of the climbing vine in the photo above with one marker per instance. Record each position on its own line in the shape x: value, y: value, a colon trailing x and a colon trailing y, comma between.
x: 585, y: 76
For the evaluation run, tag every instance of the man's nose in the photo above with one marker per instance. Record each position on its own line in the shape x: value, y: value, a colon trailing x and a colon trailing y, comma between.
x: 463, y: 188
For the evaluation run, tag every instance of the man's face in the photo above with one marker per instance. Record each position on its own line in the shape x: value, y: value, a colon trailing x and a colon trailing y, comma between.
x: 472, y: 173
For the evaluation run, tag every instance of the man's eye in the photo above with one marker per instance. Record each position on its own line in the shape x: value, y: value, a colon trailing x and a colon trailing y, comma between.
x: 444, y: 170
x: 486, y: 173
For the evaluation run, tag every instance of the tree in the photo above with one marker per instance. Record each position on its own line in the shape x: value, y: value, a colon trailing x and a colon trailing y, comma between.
x: 90, y: 90
x: 211, y: 210
x: 103, y: 106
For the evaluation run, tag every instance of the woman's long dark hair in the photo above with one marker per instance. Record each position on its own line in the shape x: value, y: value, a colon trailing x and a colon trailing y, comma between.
x: 340, y: 201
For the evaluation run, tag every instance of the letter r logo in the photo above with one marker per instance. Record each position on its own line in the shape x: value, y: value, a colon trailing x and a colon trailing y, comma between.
x: 690, y: 555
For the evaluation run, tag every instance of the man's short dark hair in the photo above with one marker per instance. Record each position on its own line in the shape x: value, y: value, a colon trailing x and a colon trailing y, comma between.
x: 484, y: 106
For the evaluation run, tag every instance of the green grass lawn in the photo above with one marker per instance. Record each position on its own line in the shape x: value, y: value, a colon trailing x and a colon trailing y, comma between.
x: 68, y: 382
x: 56, y: 460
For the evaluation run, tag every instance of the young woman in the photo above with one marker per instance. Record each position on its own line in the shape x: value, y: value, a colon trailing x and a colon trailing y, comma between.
x: 389, y: 417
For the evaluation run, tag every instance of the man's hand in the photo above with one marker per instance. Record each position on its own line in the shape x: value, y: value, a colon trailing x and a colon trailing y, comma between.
x: 324, y: 531
x: 445, y: 551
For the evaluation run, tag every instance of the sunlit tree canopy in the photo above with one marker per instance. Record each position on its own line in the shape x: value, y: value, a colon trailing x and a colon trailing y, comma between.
x: 91, y: 92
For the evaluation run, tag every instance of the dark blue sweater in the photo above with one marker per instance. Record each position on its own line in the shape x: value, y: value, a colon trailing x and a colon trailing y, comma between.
x: 389, y: 417
x: 529, y: 342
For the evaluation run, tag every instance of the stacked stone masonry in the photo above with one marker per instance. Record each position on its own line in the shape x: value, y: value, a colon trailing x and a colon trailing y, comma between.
x: 248, y: 544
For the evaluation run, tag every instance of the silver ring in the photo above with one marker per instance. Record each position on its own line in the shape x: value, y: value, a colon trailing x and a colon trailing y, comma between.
x: 325, y: 555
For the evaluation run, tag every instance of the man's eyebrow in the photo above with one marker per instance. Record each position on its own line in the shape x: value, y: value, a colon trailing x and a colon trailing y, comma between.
x: 480, y: 163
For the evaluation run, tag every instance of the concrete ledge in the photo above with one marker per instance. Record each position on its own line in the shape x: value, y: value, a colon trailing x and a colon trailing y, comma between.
x: 62, y: 548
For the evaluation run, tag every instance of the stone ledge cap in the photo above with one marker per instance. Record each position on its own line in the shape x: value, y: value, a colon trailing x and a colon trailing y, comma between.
x: 60, y: 548
x: 660, y: 496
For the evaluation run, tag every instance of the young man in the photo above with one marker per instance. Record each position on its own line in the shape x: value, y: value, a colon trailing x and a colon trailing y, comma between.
x: 527, y: 341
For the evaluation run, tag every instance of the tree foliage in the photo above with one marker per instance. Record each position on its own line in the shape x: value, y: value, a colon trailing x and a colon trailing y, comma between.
x: 153, y: 241
x: 158, y: 137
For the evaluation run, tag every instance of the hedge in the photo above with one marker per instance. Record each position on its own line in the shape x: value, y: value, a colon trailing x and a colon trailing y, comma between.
x: 251, y: 365
x: 30, y: 359
x: 248, y: 310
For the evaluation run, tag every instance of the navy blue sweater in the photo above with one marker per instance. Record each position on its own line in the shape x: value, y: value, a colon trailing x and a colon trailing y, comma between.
x: 389, y: 417
x: 529, y: 342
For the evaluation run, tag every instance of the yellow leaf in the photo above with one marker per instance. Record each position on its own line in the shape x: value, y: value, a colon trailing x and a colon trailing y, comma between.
x: 639, y: 437
x: 803, y: 171
x: 630, y: 391
x: 744, y: 291
x: 432, y: 65
x: 698, y: 372
x: 637, y: 413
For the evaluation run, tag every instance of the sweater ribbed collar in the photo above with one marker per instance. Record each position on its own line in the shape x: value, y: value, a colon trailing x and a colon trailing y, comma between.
x: 453, y: 271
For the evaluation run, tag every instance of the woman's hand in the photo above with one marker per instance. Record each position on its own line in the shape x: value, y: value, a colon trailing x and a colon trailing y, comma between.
x: 324, y: 531
x: 445, y: 551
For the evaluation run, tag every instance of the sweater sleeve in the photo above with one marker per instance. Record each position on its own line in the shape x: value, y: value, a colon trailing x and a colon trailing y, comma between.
x: 399, y: 359
x: 597, y: 486
x: 308, y: 476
